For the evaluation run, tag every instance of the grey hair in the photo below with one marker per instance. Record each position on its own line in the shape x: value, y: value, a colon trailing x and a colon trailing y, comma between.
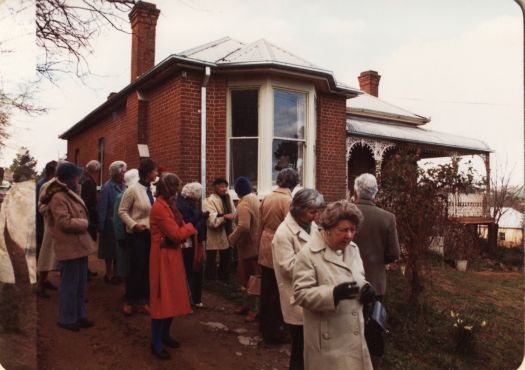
x: 287, y: 178
x: 93, y: 166
x: 306, y: 199
x: 117, y: 167
x: 192, y: 190
x: 365, y: 186
x: 131, y: 177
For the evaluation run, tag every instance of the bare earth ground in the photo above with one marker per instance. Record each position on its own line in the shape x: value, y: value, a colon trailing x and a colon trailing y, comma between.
x: 118, y: 342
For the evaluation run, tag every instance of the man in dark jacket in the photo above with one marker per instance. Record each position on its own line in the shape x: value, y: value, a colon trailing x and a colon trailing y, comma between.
x: 88, y: 193
x: 378, y: 246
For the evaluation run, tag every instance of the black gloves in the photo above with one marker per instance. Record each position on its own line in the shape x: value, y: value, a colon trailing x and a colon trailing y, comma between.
x: 368, y: 294
x: 348, y: 290
x: 205, y: 215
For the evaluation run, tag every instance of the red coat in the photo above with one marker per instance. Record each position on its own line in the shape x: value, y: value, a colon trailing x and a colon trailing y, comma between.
x: 169, y: 295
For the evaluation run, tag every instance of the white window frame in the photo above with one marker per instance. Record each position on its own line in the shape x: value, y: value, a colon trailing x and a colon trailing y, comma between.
x: 266, y: 88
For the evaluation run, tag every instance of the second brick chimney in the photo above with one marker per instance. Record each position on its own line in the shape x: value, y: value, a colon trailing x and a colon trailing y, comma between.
x: 143, y: 18
x: 369, y: 82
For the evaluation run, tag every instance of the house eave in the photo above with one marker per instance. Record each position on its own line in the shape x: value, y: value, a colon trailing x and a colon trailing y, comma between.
x: 367, y: 113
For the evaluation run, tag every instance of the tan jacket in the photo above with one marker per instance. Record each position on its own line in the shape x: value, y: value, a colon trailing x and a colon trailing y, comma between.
x: 274, y: 209
x: 216, y: 238
x: 68, y: 220
x: 246, y: 235
x: 289, y: 239
x: 47, y: 258
x: 334, y: 336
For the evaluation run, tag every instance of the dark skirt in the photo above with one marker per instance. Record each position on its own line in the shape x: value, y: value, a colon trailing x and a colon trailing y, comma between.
x: 107, y: 244
x: 137, y: 283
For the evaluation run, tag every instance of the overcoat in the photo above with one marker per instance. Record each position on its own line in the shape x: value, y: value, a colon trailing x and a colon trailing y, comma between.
x: 68, y: 221
x: 289, y: 239
x: 216, y: 238
x: 377, y: 242
x: 274, y: 208
x: 169, y: 294
x: 334, y: 336
x: 245, y: 237
x: 47, y: 260
x: 107, y: 242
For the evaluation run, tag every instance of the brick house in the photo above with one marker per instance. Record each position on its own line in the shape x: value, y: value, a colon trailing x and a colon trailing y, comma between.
x: 225, y: 108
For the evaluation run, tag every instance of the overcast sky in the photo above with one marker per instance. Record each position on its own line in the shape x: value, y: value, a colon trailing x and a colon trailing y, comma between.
x: 459, y: 62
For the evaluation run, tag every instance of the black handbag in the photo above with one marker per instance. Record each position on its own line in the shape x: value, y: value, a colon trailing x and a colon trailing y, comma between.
x: 379, y: 315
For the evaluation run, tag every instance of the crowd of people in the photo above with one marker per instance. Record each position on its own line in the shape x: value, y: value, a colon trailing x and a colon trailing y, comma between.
x: 310, y: 271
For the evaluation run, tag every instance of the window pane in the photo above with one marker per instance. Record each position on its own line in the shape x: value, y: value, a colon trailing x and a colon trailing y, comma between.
x: 289, y: 114
x: 243, y: 159
x: 244, y: 112
x: 287, y: 153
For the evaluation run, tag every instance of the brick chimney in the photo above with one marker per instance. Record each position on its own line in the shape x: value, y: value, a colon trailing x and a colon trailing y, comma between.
x: 369, y: 82
x: 143, y: 18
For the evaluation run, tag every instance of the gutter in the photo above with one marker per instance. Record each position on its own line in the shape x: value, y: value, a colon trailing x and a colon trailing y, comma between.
x: 207, y: 73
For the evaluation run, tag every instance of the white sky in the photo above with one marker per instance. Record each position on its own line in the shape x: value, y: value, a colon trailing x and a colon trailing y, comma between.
x: 458, y: 61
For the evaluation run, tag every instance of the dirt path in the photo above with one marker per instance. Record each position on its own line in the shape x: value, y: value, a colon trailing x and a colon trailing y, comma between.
x: 118, y: 342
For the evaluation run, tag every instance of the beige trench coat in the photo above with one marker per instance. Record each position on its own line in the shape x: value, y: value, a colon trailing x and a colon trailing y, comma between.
x: 289, y: 239
x: 245, y: 237
x: 334, y: 336
x: 274, y: 208
x: 216, y: 238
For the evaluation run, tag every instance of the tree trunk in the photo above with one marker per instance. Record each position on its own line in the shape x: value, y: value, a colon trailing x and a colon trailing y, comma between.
x: 492, y: 238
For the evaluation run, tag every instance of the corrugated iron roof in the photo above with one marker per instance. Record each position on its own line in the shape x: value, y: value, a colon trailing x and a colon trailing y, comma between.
x: 412, y: 134
x: 366, y: 103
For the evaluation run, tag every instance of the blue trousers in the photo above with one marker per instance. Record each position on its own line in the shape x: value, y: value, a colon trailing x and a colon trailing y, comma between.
x: 73, y: 277
x: 160, y: 331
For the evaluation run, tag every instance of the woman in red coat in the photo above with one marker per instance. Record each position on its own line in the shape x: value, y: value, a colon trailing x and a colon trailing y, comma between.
x: 169, y: 295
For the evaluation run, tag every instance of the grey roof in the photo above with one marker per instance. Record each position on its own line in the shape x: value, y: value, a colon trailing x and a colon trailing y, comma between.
x: 413, y: 134
x: 366, y: 104
x: 226, y: 53
x: 230, y: 51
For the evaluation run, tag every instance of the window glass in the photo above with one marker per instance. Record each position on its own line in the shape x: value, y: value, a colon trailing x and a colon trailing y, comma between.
x: 244, y: 113
x: 101, y: 159
x: 289, y: 114
x: 243, y: 159
x: 287, y: 153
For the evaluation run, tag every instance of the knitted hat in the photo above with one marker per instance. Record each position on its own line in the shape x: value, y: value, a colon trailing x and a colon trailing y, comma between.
x: 66, y: 171
x: 220, y: 180
x: 242, y: 186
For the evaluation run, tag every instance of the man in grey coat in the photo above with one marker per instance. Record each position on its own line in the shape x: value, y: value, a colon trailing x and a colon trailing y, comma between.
x: 378, y: 246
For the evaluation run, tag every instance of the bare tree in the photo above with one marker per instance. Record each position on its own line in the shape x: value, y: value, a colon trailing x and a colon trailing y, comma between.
x: 65, y: 28
x: 502, y: 193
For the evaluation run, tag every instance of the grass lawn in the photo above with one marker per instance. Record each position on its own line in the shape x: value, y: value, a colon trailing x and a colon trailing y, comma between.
x: 424, y: 340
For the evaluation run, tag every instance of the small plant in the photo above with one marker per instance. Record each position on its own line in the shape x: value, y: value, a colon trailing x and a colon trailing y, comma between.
x: 464, y: 329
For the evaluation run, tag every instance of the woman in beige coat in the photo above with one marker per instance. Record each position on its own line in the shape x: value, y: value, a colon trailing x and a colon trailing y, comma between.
x: 245, y: 239
x: 291, y: 236
x: 68, y: 221
x: 329, y: 283
x: 219, y: 227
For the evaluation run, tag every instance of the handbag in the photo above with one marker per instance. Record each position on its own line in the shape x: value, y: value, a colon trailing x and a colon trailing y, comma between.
x: 380, y: 316
x: 254, y: 285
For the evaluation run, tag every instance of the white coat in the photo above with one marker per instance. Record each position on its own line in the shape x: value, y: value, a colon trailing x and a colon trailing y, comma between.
x: 288, y: 240
x: 334, y: 336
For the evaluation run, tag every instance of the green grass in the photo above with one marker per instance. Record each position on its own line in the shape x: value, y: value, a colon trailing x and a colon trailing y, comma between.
x: 423, y: 340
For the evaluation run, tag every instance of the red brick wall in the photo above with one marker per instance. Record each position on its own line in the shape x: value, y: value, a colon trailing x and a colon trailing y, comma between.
x: 331, y: 146
x: 115, y: 129
x: 173, y: 125
x: 216, y: 138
